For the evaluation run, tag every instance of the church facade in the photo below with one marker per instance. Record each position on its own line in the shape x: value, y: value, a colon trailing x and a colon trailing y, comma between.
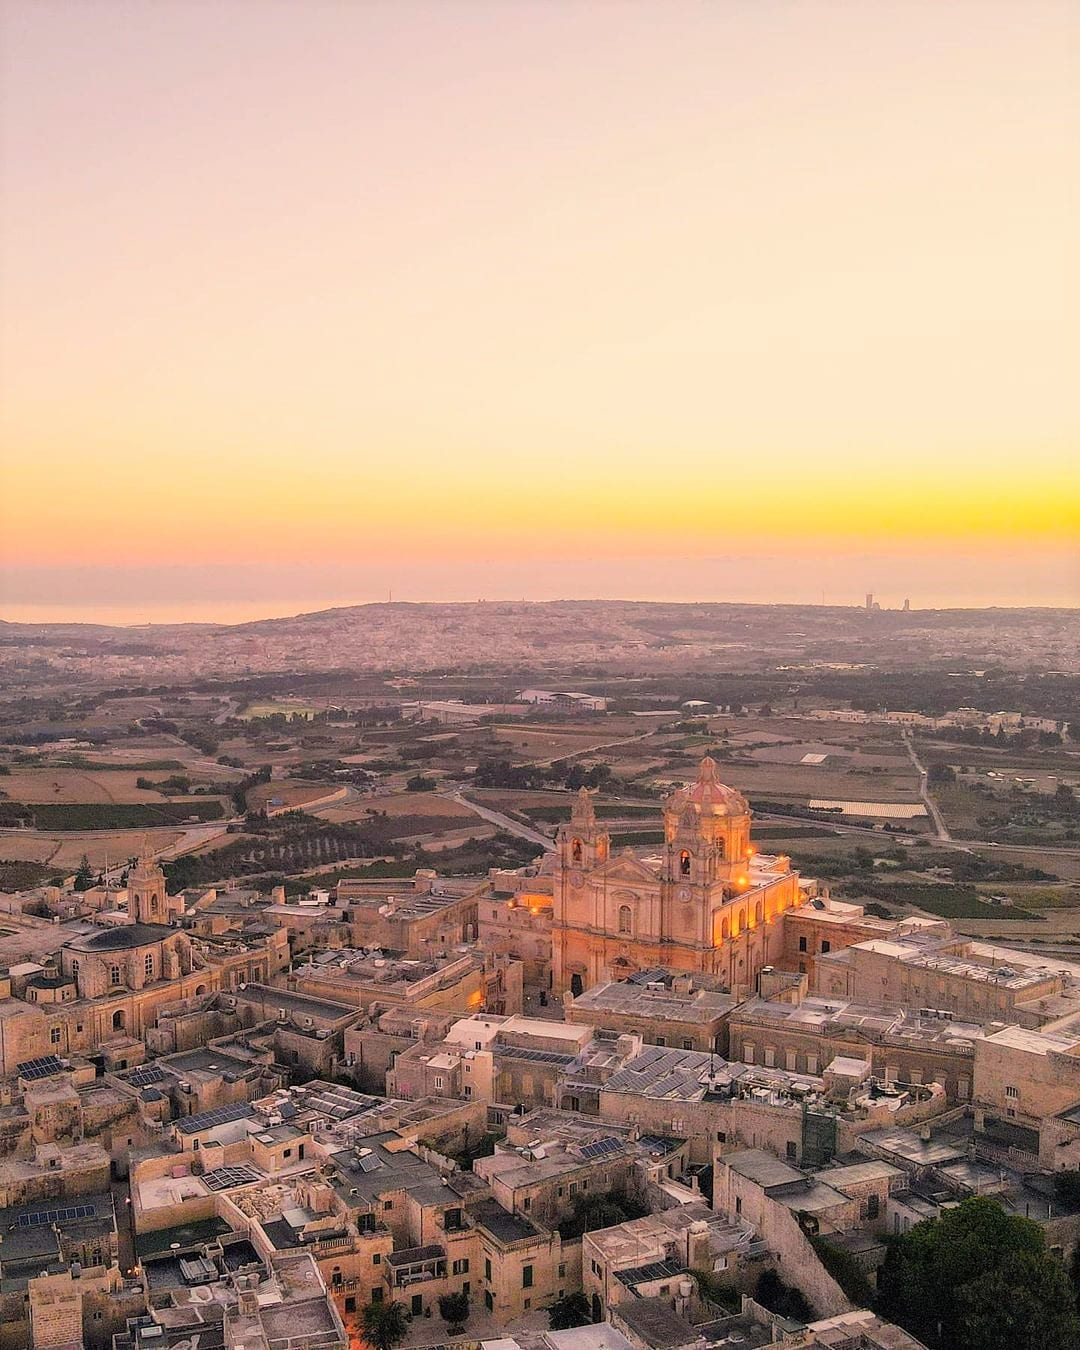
x: 709, y: 902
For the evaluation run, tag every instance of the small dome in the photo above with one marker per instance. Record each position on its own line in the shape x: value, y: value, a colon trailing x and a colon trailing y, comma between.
x: 708, y: 796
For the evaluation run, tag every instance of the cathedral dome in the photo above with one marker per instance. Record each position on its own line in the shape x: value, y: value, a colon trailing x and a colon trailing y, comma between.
x: 708, y: 796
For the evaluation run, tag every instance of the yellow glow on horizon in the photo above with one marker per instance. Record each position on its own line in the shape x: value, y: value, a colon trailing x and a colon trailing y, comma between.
x: 510, y: 286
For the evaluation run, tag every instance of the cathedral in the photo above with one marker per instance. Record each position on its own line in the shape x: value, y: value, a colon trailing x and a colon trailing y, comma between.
x: 708, y: 902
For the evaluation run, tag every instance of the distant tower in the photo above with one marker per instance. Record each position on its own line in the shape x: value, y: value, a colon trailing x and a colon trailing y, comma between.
x: 582, y: 843
x: 146, y: 890
x: 869, y: 599
x: 907, y: 606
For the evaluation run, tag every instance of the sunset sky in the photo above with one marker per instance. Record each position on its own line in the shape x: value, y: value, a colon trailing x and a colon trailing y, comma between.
x: 307, y: 302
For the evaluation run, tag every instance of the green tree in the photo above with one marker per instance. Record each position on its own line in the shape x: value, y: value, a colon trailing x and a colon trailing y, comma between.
x: 572, y: 1310
x: 385, y: 1325
x: 454, y: 1310
x: 978, y: 1278
x: 84, y: 877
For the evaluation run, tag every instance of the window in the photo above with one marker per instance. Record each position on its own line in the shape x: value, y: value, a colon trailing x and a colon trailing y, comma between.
x: 440, y: 1083
x: 118, y: 1020
x: 460, y: 1267
x: 792, y: 1149
x: 114, y: 974
x: 388, y: 1204
x: 575, y: 850
x: 624, y: 919
x: 770, y: 1056
x: 528, y: 1203
x: 527, y: 1304
x: 75, y: 965
x: 826, y: 946
x: 721, y: 1136
x: 1012, y: 1092
x: 684, y: 863
x: 288, y: 1153
x: 54, y: 1035
x: 78, y: 1026
x: 802, y: 944
x: 467, y: 1090
x: 148, y: 965
x: 562, y: 1269
x: 487, y: 1268
x: 738, y: 1204
x: 526, y: 1277
x: 376, y: 1259
x: 661, y: 1040
x: 595, y: 1267
x: 873, y: 1206
x: 688, y: 1045
x: 376, y: 1295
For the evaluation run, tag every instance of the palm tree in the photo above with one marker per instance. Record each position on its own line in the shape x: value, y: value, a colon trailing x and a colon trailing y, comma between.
x: 385, y: 1325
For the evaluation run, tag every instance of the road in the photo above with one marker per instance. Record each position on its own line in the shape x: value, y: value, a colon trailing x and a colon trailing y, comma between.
x: 506, y: 823
x: 588, y: 750
x: 943, y: 834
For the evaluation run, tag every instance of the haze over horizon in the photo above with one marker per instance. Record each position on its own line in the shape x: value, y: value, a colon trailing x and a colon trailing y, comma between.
x: 661, y: 301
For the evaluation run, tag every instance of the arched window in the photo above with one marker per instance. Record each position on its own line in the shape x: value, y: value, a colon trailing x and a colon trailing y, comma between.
x: 725, y: 930
x: 148, y: 965
x: 759, y: 912
x: 684, y: 863
x: 575, y: 850
x: 624, y: 919
x: 114, y: 974
x: 118, y: 1020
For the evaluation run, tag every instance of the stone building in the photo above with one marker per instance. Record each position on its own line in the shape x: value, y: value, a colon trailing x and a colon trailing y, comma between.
x: 708, y: 902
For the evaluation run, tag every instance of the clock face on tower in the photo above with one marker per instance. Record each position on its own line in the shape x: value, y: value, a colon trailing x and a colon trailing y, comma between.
x: 683, y: 893
x: 576, y: 879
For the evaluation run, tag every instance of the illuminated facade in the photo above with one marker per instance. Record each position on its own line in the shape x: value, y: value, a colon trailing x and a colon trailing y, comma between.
x: 709, y: 902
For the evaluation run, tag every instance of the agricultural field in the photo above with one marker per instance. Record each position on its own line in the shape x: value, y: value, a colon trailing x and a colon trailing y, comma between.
x: 288, y: 794
x: 60, y: 785
x: 64, y: 852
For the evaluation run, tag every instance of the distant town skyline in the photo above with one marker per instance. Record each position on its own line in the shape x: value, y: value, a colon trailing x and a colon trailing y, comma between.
x: 659, y: 300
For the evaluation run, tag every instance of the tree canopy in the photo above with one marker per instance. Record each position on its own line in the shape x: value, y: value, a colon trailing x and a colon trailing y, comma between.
x: 978, y: 1278
x: 385, y: 1325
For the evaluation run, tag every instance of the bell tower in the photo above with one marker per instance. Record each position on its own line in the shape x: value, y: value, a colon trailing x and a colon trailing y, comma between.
x: 146, y: 890
x: 582, y: 843
x: 706, y: 830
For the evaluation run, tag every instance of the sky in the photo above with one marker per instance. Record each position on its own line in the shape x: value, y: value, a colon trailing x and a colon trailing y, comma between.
x: 314, y: 303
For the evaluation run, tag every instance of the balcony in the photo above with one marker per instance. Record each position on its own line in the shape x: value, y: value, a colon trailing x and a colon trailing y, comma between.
x: 415, y: 1265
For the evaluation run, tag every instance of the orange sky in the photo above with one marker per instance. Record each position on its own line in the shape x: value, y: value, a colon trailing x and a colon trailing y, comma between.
x: 537, y: 288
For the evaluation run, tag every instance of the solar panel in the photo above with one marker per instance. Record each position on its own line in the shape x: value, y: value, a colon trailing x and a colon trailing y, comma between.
x: 599, y: 1148
x: 41, y: 1217
x: 369, y: 1163
x: 219, y: 1115
x: 536, y: 1056
x: 44, y: 1067
x: 222, y: 1178
x: 145, y: 1076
